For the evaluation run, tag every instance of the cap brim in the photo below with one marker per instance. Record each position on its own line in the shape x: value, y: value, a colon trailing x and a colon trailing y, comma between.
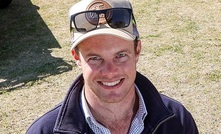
x: 79, y: 37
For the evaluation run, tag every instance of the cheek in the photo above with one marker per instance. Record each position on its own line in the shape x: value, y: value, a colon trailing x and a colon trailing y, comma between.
x: 131, y: 64
x: 88, y: 72
x: 86, y: 69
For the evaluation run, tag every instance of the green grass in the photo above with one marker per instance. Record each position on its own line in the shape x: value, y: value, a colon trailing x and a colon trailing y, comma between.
x: 181, y: 45
x: 25, y: 46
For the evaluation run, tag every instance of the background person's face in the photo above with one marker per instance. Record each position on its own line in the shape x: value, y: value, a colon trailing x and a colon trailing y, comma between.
x: 109, y: 67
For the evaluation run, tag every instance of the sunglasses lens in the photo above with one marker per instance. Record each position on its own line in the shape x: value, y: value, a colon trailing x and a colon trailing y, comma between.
x: 89, y: 20
x: 86, y: 21
x: 120, y: 18
x: 92, y: 17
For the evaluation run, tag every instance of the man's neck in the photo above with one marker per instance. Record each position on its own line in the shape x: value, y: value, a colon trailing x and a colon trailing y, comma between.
x: 117, y: 117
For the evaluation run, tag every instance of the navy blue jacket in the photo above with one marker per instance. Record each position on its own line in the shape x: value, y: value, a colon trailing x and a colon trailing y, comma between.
x: 165, y: 115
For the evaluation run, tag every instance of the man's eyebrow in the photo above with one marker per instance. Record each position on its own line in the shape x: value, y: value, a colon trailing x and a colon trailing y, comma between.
x: 91, y: 54
x: 124, y: 50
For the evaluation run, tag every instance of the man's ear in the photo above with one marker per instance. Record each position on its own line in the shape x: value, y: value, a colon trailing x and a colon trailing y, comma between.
x: 138, y: 50
x: 75, y: 55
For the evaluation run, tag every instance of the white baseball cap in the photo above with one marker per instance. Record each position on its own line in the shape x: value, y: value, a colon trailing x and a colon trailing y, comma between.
x: 84, y: 24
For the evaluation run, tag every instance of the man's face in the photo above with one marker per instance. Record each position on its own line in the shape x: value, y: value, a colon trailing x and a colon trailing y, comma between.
x: 108, y: 64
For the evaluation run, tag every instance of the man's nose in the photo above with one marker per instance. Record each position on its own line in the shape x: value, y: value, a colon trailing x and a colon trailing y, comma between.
x: 109, y: 69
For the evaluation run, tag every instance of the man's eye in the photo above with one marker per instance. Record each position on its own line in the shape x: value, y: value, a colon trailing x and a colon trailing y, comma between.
x: 120, y: 55
x: 94, y: 60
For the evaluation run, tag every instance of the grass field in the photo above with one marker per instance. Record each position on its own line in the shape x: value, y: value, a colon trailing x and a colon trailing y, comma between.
x: 181, y: 56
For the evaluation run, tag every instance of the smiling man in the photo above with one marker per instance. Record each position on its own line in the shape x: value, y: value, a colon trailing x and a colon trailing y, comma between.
x: 110, y: 96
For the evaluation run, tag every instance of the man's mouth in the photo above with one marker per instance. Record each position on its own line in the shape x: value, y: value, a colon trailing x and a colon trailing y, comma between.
x: 111, y: 84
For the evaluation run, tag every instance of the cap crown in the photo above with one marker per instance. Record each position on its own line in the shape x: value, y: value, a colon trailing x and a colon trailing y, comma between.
x: 88, y: 5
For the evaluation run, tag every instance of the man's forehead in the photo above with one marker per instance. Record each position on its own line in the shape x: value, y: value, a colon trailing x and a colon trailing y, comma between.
x: 103, y: 51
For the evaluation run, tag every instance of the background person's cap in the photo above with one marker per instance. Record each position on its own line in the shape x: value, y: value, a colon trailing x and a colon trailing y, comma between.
x: 127, y: 33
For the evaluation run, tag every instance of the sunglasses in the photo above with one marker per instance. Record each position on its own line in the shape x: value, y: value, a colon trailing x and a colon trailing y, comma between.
x: 90, y: 20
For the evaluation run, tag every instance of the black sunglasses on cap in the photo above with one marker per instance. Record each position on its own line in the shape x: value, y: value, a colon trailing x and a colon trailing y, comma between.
x: 89, y: 20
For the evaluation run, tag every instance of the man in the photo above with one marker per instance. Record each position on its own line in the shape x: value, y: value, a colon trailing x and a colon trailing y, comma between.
x: 111, y: 97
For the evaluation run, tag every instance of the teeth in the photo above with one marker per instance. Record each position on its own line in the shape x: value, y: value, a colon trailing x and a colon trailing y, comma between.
x: 111, y: 83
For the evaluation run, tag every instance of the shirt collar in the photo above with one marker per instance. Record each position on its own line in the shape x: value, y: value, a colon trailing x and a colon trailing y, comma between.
x: 142, y: 111
x: 93, y: 124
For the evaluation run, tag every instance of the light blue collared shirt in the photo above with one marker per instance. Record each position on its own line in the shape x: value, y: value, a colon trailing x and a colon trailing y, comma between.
x: 137, y: 124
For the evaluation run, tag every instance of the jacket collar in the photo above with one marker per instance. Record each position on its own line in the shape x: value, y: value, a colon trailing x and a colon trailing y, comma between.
x: 71, y: 118
x: 157, y: 111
